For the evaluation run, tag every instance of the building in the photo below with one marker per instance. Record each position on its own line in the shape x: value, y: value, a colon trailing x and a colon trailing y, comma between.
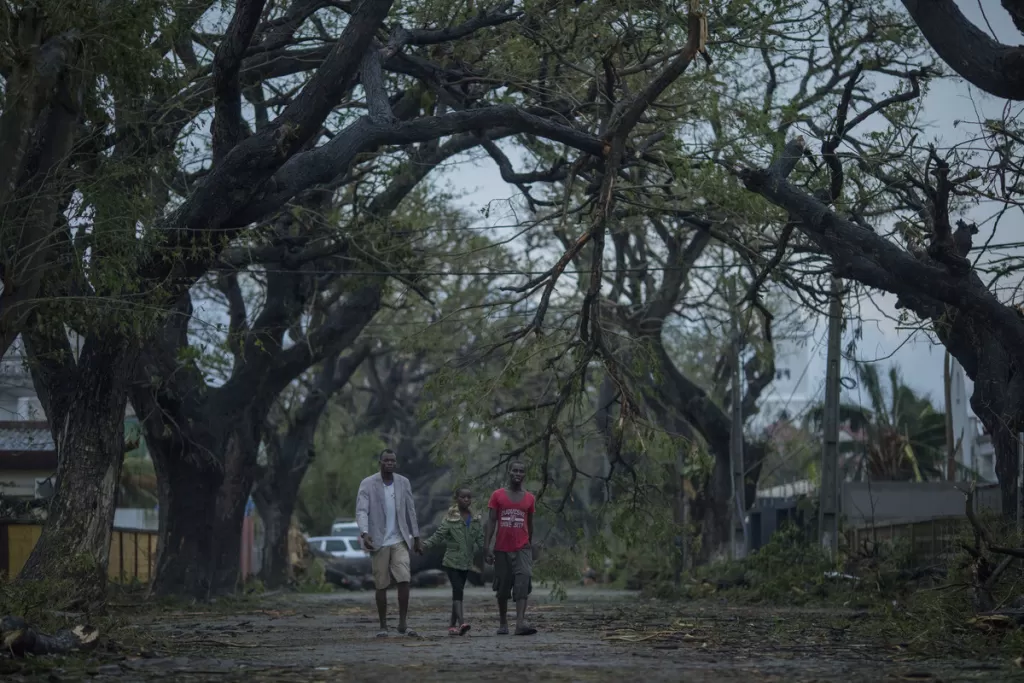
x: 18, y: 401
x: 789, y: 396
x: 28, y: 456
x: 975, y: 452
x: 28, y: 459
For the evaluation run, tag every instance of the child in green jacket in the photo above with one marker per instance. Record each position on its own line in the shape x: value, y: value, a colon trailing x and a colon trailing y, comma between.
x: 462, y: 534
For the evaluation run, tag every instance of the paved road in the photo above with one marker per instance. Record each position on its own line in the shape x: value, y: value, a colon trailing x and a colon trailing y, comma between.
x: 594, y: 635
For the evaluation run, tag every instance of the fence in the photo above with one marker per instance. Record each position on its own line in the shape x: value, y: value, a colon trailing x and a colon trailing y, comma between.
x: 132, y: 551
x: 132, y: 556
x: 929, y: 541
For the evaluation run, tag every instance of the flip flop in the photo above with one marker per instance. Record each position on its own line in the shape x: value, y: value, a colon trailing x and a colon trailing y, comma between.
x: 464, y: 629
x: 526, y: 631
x: 503, y: 630
x: 409, y: 632
x: 454, y: 631
x: 382, y: 634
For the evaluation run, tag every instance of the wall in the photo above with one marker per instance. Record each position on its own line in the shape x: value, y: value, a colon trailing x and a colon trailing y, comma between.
x: 132, y: 552
x: 900, y: 502
x: 21, y: 483
x: 19, y: 539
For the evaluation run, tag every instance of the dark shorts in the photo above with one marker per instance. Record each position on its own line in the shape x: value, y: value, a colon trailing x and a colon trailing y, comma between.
x: 513, y: 574
x: 457, y: 578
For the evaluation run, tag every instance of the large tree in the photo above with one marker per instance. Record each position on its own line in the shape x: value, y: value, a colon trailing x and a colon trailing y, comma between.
x: 167, y: 214
x: 665, y: 250
x: 924, y: 262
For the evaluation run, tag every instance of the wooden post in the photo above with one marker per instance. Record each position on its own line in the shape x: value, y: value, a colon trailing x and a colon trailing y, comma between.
x: 1020, y: 484
x: 947, y: 380
x: 739, y: 508
x: 828, y: 494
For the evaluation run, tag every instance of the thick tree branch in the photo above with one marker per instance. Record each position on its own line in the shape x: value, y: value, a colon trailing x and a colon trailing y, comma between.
x: 496, y: 16
x: 994, y: 68
x: 228, y: 125
x: 371, y: 76
x: 869, y: 258
x: 323, y: 163
x: 251, y: 163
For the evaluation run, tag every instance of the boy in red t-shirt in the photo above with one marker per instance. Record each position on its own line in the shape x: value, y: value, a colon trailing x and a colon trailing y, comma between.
x: 509, y: 550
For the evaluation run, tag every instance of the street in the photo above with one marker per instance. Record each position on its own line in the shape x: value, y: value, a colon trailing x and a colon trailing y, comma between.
x: 593, y: 635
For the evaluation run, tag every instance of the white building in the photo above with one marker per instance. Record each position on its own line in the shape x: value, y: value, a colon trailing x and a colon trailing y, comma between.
x: 974, y: 448
x: 789, y: 396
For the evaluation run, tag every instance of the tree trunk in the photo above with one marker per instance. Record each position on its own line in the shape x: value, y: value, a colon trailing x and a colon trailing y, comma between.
x: 86, y: 406
x: 202, y: 507
x: 1004, y: 442
x: 187, y: 490
x: 276, y: 506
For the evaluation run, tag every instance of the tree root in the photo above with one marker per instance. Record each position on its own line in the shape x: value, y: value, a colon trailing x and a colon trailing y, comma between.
x: 20, y: 639
x: 986, y: 572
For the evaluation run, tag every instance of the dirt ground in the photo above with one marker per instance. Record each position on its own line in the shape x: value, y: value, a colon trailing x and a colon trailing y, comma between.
x: 593, y: 635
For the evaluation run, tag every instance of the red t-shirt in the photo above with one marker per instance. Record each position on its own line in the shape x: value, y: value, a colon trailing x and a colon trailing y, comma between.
x: 512, y: 533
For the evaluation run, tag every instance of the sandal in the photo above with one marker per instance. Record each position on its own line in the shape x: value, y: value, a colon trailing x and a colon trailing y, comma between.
x: 464, y: 629
x: 409, y: 632
x: 454, y: 631
x: 382, y: 634
x: 525, y: 631
x: 503, y: 630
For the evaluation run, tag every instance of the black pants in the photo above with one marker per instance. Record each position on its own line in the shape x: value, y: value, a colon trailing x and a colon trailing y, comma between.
x: 457, y: 578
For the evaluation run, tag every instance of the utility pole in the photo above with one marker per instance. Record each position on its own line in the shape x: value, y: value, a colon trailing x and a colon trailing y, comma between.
x: 739, y: 508
x: 828, y: 502
x: 947, y: 380
x: 1020, y: 483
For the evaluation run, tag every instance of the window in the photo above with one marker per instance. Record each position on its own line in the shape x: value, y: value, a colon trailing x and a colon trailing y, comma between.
x: 354, y: 544
x: 335, y: 546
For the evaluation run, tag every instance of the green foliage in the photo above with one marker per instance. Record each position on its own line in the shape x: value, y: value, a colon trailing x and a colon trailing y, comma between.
x: 36, y: 600
x: 793, y: 569
x: 329, y: 489
x: 905, y: 434
x: 947, y: 613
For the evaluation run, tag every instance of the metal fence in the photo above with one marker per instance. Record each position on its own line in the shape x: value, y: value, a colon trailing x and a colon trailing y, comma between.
x: 929, y: 541
x: 132, y: 556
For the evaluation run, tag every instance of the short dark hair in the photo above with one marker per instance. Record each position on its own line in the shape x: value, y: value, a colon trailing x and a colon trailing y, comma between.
x: 460, y: 489
x: 385, y: 452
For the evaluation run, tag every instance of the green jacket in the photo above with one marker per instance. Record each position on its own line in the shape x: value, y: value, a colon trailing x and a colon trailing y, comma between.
x: 461, y: 543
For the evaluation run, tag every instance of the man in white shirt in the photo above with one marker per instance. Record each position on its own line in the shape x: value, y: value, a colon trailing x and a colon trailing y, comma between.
x: 386, y: 515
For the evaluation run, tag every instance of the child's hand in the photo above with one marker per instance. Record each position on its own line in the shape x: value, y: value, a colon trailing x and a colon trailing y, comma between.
x: 489, y: 557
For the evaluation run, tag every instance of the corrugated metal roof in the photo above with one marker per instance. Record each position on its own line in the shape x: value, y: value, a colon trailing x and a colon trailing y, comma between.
x: 31, y: 437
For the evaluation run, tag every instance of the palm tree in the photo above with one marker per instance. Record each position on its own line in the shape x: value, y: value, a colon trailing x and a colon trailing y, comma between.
x: 904, y: 436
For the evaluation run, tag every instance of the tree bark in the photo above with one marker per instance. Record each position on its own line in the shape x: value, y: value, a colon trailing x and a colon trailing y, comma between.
x: 276, y: 504
x: 289, y: 455
x: 85, y: 403
x: 995, y: 68
x: 202, y: 504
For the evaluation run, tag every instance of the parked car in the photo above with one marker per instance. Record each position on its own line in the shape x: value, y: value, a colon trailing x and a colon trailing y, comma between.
x: 349, y: 547
x: 345, y: 527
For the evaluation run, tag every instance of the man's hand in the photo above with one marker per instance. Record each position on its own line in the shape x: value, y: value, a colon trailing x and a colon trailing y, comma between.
x: 417, y: 546
x: 367, y: 541
x: 489, y: 557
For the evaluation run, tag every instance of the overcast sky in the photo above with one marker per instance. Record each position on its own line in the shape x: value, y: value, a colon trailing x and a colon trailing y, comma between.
x: 919, y: 358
